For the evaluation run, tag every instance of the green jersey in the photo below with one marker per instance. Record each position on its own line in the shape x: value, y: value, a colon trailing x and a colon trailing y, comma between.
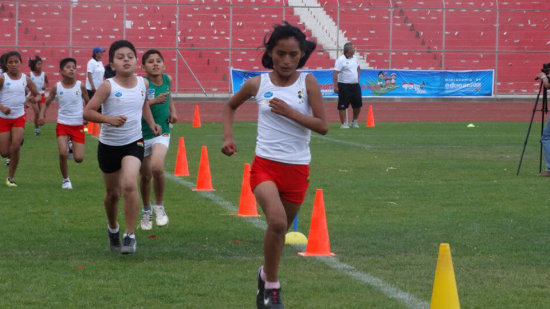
x: 160, y: 111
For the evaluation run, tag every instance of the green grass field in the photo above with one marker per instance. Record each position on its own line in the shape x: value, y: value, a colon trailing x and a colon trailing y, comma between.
x: 392, y: 194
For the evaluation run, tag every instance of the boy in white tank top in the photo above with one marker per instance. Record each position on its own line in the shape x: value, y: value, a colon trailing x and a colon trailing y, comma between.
x: 289, y: 107
x: 120, y: 149
x: 12, y: 111
x: 71, y: 95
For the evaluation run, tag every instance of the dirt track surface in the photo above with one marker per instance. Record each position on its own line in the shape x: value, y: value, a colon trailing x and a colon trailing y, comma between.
x: 383, y: 111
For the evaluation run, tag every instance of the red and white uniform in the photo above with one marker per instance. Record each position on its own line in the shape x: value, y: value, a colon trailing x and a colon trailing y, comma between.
x: 12, y: 95
x: 39, y: 81
x: 279, y: 138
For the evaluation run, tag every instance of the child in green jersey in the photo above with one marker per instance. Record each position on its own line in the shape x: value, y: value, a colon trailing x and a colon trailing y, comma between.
x: 156, y: 147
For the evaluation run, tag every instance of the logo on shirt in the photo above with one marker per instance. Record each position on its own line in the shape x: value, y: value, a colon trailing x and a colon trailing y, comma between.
x: 77, y: 92
x: 268, y: 94
x: 150, y: 94
x: 301, y: 96
x: 118, y: 94
x: 60, y: 92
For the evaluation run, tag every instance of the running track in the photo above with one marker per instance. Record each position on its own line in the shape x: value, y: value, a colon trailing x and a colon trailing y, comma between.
x: 468, y: 111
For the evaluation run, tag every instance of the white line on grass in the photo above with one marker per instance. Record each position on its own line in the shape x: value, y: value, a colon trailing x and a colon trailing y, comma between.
x: 343, y: 142
x: 387, y: 289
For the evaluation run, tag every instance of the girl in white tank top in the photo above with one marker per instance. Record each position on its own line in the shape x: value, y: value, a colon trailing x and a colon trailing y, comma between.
x: 12, y: 111
x: 40, y: 80
x: 289, y: 107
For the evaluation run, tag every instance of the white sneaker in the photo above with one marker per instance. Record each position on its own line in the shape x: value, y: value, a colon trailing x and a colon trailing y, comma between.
x: 67, y: 184
x: 146, y: 220
x: 160, y: 215
x: 344, y: 125
x: 354, y: 124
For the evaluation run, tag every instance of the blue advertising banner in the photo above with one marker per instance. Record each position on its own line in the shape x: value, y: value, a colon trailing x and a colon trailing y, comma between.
x: 400, y: 83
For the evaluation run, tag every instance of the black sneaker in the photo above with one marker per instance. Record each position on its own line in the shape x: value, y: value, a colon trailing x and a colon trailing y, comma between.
x: 129, y: 245
x: 261, y: 288
x: 114, y: 241
x: 272, y: 299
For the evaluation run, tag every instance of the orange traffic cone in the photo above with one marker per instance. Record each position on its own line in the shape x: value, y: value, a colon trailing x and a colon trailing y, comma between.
x: 181, y: 160
x: 444, y: 294
x: 247, y: 203
x: 204, y: 180
x: 91, y: 128
x: 370, y: 118
x: 97, y: 130
x: 196, y: 118
x: 318, y: 243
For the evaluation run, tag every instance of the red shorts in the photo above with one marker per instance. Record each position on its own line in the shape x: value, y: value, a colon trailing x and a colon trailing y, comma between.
x: 291, y: 180
x: 7, y: 124
x: 43, y: 100
x: 76, y: 133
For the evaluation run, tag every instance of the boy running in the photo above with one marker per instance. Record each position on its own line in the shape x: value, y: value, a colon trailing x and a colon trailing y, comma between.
x: 70, y: 94
x: 156, y: 147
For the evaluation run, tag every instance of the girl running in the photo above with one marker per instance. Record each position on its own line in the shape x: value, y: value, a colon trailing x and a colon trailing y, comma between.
x: 70, y: 94
x: 156, y: 147
x: 12, y: 111
x: 289, y: 107
x: 40, y: 80
x: 120, y: 149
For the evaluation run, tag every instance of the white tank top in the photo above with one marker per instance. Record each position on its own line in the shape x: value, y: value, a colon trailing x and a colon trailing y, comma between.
x: 70, y: 104
x: 38, y: 81
x: 12, y: 95
x: 127, y: 102
x: 280, y: 138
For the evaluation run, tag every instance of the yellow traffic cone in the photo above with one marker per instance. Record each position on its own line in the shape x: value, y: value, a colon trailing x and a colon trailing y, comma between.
x: 444, y: 294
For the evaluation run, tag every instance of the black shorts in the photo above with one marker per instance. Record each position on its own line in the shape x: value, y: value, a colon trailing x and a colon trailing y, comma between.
x: 349, y: 93
x: 110, y: 157
x: 90, y: 93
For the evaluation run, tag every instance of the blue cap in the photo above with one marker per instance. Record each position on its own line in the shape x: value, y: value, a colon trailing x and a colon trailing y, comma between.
x: 98, y: 50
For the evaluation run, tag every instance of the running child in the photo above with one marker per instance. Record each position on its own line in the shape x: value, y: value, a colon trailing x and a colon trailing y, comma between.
x: 40, y: 80
x: 156, y: 147
x: 12, y: 110
x: 289, y: 108
x: 120, y: 149
x: 71, y: 95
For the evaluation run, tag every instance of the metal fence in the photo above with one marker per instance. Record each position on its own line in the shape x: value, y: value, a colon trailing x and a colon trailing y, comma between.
x: 202, y: 39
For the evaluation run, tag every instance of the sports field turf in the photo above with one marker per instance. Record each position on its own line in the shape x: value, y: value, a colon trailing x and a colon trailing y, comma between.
x: 392, y: 194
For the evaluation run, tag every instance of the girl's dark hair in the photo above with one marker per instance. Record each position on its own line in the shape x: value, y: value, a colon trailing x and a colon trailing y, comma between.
x: 286, y: 31
x: 6, y: 56
x: 3, y: 63
x: 118, y: 45
x: 33, y: 62
x: 149, y: 53
x: 64, y: 62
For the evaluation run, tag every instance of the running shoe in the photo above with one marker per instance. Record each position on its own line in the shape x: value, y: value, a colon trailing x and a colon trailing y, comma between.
x: 354, y: 124
x: 10, y: 182
x: 344, y: 125
x: 160, y: 215
x: 8, y: 162
x: 129, y: 245
x: 66, y: 184
x: 146, y: 222
x: 272, y: 299
x: 114, y: 241
x: 36, y: 131
x: 260, y: 293
x: 70, y: 153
